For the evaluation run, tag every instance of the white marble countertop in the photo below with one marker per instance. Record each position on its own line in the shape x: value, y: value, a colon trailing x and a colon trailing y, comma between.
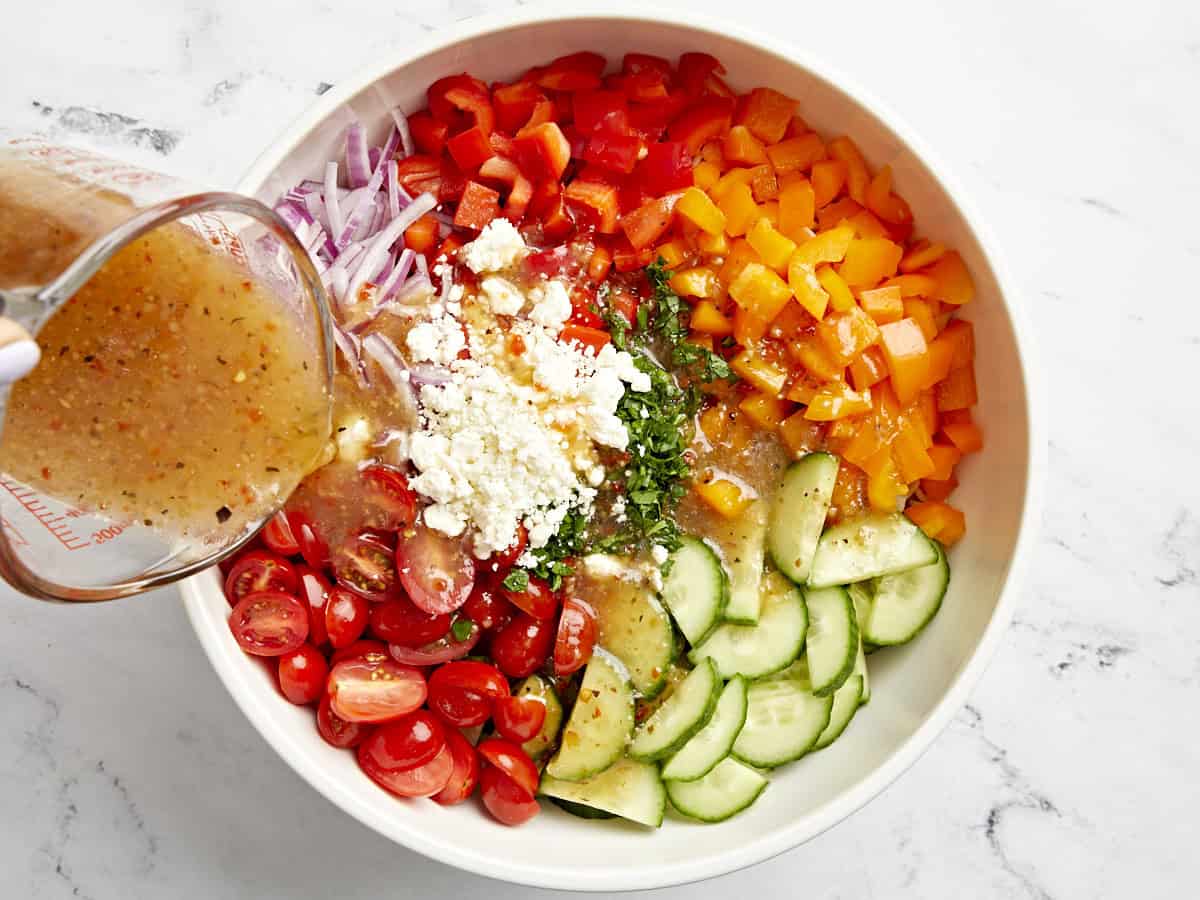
x: 127, y: 772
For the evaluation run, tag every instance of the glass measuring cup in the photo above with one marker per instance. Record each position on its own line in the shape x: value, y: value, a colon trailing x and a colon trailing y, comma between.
x: 184, y: 387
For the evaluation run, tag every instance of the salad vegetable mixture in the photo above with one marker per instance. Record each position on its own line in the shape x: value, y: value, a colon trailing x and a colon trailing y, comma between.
x: 649, y: 406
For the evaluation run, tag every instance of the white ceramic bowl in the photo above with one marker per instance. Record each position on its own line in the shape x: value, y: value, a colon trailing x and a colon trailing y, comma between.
x: 917, y: 689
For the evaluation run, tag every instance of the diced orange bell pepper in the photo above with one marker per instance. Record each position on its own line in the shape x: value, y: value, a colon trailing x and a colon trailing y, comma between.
x: 701, y: 340
x: 944, y: 458
x: 698, y: 281
x: 796, y: 154
x: 764, y: 184
x: 774, y: 248
x: 865, y: 443
x: 706, y: 318
x: 790, y: 322
x: 672, y: 252
x: 912, y: 285
x: 748, y: 328
x: 805, y: 285
x: 849, y: 496
x: 712, y: 244
x: 740, y: 254
x: 868, y: 369
x: 887, y: 409
x: 696, y: 207
x: 884, y: 487
x: 743, y: 148
x: 766, y: 411
x: 714, y: 420
x: 840, y: 297
x: 919, y: 311
x: 867, y: 226
x: 938, y: 520
x: 966, y: 438
x: 797, y: 209
x: 882, y: 304
x: 713, y: 152
x: 803, y: 387
x: 961, y: 334
x: 768, y: 211
x: 926, y: 410
x: 934, y: 489
x: 921, y: 254
x: 722, y: 495
x: 767, y: 113
x: 954, y: 284
x: 421, y: 236
x: 705, y: 174
x: 907, y: 357
x: 811, y: 353
x: 835, y: 400
x: 730, y: 179
x: 827, y: 247
x: 739, y: 208
x: 885, y: 204
x: 801, y: 435
x: 868, y: 261
x: 839, y: 212
x: 958, y: 390
x: 941, y: 354
x: 760, y: 291
x: 857, y: 176
x: 847, y: 334
x: 912, y: 460
x: 828, y: 179
x: 762, y: 373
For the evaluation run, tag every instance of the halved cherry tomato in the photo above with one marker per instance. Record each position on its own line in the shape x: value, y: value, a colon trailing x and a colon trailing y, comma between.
x: 407, y: 742
x: 260, y: 570
x: 519, y: 718
x: 375, y: 688
x: 314, y: 589
x: 278, y: 537
x: 445, y: 649
x: 506, y: 800
x: 269, y: 623
x: 521, y: 646
x: 337, y: 731
x: 437, y: 571
x: 473, y: 675
x: 576, y: 637
x: 536, y: 599
x: 421, y: 781
x: 465, y: 775
x: 390, y: 502
x: 360, y: 648
x: 462, y: 692
x: 302, y: 675
x: 312, y: 546
x: 507, y: 558
x: 510, y: 759
x: 364, y: 565
x: 398, y: 621
x: 486, y: 607
x: 346, y: 615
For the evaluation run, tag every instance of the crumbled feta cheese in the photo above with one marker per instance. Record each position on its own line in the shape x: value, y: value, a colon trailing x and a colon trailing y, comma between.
x: 551, y: 305
x: 502, y: 295
x: 659, y: 554
x: 352, y: 440
x: 498, y: 247
x: 438, y: 341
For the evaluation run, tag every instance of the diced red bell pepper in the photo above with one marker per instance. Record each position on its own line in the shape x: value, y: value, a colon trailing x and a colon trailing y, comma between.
x: 648, y: 222
x: 428, y: 134
x: 545, y: 195
x: 543, y: 112
x: 594, y: 203
x: 645, y: 87
x: 631, y: 195
x: 709, y: 118
x: 624, y: 303
x: 452, y: 183
x: 478, y: 206
x: 652, y: 119
x: 694, y: 69
x: 444, y: 110
x: 543, y: 151
x: 501, y: 144
x: 576, y: 72
x: 582, y: 334
x: 645, y: 62
x: 419, y: 173
x: 557, y: 222
x: 470, y: 148
x: 667, y: 167
x: 577, y: 140
x: 627, y: 259
x: 594, y: 108
x: 613, y: 151
x: 450, y: 245
x: 514, y: 104
x: 583, y: 308
x: 520, y: 189
x: 477, y: 106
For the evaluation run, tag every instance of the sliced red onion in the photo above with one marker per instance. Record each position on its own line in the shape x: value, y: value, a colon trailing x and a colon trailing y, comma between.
x: 406, y: 141
x: 338, y: 285
x: 422, y: 266
x: 333, y: 208
x: 422, y: 374
x: 295, y: 216
x: 403, y: 265
x: 314, y: 205
x: 358, y: 163
x: 349, y: 345
x: 380, y: 348
x: 388, y: 150
x: 416, y: 290
x: 443, y: 650
x: 374, y: 155
x: 382, y: 242
x: 393, y: 188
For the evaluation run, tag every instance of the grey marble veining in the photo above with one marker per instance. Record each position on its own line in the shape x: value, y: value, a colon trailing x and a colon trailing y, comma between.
x: 127, y: 772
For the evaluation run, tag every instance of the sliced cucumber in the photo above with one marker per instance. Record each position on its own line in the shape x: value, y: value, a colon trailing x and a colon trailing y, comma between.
x: 904, y: 604
x: 744, y: 557
x: 846, y: 701
x: 724, y: 792
x: 600, y: 722
x: 860, y: 668
x: 539, y: 688
x: 712, y: 743
x: 798, y: 513
x: 631, y: 625
x: 771, y: 645
x: 685, y: 712
x: 783, y: 719
x: 869, y: 546
x: 832, y: 640
x: 629, y: 789
x: 578, y: 809
x: 860, y: 595
x: 696, y: 589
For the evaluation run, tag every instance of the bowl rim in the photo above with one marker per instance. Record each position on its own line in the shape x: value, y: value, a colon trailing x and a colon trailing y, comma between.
x: 220, y: 650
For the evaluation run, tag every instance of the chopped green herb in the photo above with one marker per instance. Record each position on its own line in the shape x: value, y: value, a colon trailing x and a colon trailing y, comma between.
x: 516, y: 580
x: 670, y: 325
x: 462, y: 628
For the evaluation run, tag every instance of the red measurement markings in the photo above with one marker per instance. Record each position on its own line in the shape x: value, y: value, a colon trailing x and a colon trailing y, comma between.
x: 53, y: 522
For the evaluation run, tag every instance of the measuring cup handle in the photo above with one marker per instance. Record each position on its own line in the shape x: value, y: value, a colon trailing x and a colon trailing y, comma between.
x: 19, y: 353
